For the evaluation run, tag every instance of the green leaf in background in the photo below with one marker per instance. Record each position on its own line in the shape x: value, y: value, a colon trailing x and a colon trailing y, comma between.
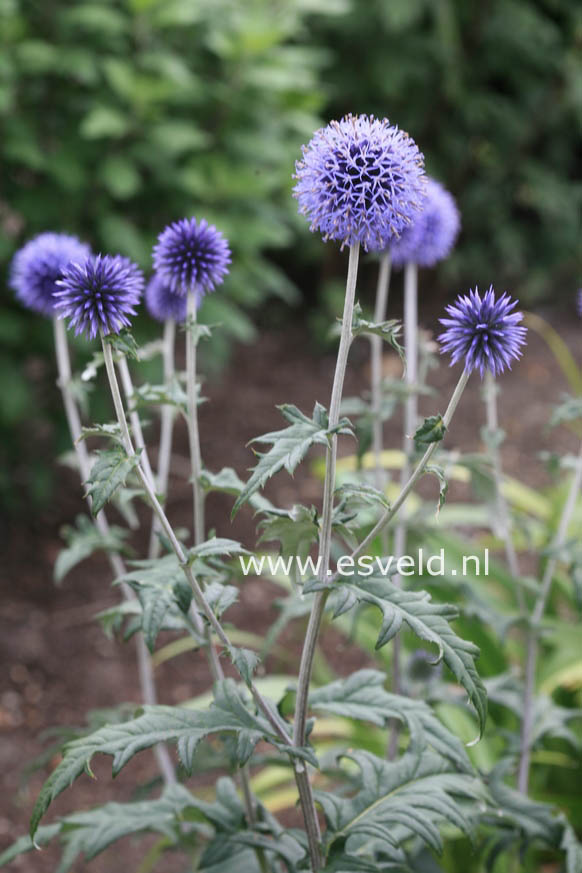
x: 84, y: 540
x: 289, y: 446
x: 430, y: 621
x: 108, y: 473
x: 432, y: 430
x: 389, y: 331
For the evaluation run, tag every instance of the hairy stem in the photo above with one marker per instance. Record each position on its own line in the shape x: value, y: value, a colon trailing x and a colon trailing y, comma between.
x: 409, y: 427
x: 502, y: 510
x: 134, y: 418
x: 310, y: 644
x: 536, y: 617
x: 193, y: 430
x: 380, y: 308
x: 168, y: 415
x: 144, y: 664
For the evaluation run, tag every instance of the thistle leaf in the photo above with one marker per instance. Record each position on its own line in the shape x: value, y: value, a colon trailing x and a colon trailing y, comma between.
x: 108, y: 473
x: 84, y: 540
x: 289, y: 446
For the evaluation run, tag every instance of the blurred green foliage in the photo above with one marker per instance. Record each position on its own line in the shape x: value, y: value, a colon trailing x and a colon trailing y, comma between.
x: 118, y: 116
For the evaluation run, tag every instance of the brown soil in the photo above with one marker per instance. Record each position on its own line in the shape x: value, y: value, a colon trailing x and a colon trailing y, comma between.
x: 57, y: 664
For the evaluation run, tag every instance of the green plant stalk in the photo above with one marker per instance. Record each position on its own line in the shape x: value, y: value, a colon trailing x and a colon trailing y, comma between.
x: 536, y: 617
x: 310, y: 644
x: 389, y: 514
x: 381, y: 305
x: 144, y: 664
x: 193, y: 430
x: 134, y: 419
x: 274, y: 719
x: 490, y: 390
x: 168, y: 415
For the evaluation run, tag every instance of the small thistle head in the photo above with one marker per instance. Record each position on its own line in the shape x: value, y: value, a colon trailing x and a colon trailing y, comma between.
x: 99, y: 295
x: 432, y: 234
x: 191, y: 256
x: 360, y: 179
x: 38, y: 265
x: 162, y: 303
x: 483, y: 331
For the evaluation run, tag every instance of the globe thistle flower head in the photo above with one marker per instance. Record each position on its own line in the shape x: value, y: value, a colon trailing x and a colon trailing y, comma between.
x: 38, y: 265
x: 191, y: 256
x: 483, y: 331
x: 360, y: 179
x: 99, y: 294
x: 162, y: 303
x: 432, y: 234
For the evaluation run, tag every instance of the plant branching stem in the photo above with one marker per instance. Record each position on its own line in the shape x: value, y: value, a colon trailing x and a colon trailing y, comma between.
x: 536, y: 617
x: 502, y: 510
x: 144, y: 664
x: 168, y: 415
x: 409, y: 427
x: 310, y: 644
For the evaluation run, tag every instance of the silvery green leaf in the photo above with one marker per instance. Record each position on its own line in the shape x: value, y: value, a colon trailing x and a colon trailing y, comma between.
x: 362, y: 696
x: 110, y: 430
x: 108, y: 473
x: 296, y: 529
x: 429, y: 620
x: 228, y: 713
x: 246, y: 662
x: 124, y: 344
x: 289, y: 446
x: 438, y: 471
x: 389, y: 331
x: 432, y: 430
x: 171, y: 394
x: 82, y: 541
x: 227, y: 481
x: 570, y: 409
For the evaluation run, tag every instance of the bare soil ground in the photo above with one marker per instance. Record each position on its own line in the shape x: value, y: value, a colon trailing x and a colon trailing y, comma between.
x: 57, y: 663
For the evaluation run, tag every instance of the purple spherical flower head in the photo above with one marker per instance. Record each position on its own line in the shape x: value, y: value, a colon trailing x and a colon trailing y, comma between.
x: 191, y: 256
x: 483, y: 331
x: 36, y: 267
x: 100, y: 294
x: 431, y: 236
x: 162, y: 303
x: 362, y: 180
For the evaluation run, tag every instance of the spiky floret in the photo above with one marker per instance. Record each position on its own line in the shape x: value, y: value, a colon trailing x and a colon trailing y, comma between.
x: 162, y: 303
x: 483, y: 331
x: 38, y: 265
x: 99, y: 295
x: 360, y: 179
x: 191, y: 256
x: 432, y: 234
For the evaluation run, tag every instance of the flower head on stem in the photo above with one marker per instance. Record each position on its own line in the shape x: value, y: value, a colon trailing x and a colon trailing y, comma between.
x: 162, y: 303
x: 432, y: 234
x: 360, y: 180
x: 484, y: 332
x: 99, y: 295
x: 191, y: 255
x: 39, y: 264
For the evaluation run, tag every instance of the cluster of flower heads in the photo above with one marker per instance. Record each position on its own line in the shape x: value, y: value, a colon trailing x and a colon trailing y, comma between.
x: 360, y: 180
x: 484, y: 332
x: 99, y: 295
x: 432, y: 234
x: 39, y: 264
x: 191, y: 256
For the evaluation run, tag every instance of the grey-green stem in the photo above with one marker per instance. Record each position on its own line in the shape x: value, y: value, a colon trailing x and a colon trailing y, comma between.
x: 502, y: 511
x: 193, y: 430
x: 376, y: 342
x: 134, y: 419
x: 144, y: 664
x: 310, y: 644
x: 536, y: 617
x: 168, y: 415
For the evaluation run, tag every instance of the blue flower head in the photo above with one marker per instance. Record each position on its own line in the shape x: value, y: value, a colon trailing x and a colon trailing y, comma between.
x: 360, y: 179
x: 191, y: 256
x: 432, y: 234
x: 162, y: 303
x: 483, y: 331
x: 99, y: 295
x: 38, y: 265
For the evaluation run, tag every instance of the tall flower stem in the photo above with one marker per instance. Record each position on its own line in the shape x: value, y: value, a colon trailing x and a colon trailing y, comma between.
x: 168, y: 415
x: 134, y: 419
x: 536, y: 617
x: 389, y: 514
x: 277, y: 723
x: 409, y: 427
x: 144, y: 664
x: 310, y: 644
x: 503, y: 518
x: 193, y: 430
x: 380, y: 308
